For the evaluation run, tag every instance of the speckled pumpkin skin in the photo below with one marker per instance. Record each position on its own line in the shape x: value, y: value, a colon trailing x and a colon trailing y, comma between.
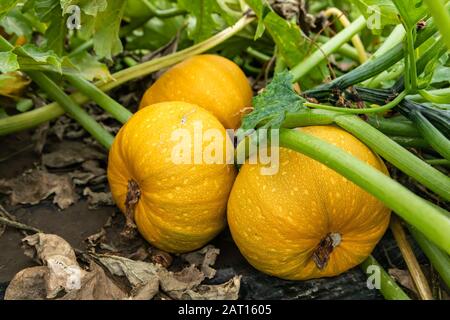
x: 277, y: 221
x: 210, y: 81
x: 182, y: 206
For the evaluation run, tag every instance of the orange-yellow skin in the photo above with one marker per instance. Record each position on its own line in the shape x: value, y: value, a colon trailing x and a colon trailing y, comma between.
x: 210, y: 81
x: 277, y: 221
x: 182, y: 206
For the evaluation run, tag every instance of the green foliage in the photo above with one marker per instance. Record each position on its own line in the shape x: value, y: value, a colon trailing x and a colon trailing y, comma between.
x: 271, y: 106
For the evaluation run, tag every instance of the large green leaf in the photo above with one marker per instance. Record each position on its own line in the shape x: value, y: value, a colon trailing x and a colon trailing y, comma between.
x: 378, y: 13
x: 6, y: 5
x: 107, y: 26
x: 411, y: 11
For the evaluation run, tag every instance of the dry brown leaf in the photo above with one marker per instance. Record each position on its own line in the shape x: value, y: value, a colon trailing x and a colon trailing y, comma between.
x: 98, y: 199
x: 36, y: 185
x: 225, y: 291
x: 68, y: 153
x: 60, y: 277
x: 403, y: 277
x: 183, y: 280
x: 28, y: 284
x: 204, y: 259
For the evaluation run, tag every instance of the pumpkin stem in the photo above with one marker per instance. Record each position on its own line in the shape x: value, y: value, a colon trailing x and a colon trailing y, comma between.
x: 132, y: 199
x: 323, y: 250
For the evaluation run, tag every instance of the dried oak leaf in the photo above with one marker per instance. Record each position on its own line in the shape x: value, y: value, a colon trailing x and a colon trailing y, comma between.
x: 403, y: 277
x: 98, y: 199
x: 203, y: 259
x: 68, y: 153
x: 225, y: 291
x: 36, y: 185
x: 60, y: 277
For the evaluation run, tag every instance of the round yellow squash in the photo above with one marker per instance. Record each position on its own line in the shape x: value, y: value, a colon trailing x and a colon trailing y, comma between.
x: 210, y: 81
x: 306, y: 221
x: 177, y: 206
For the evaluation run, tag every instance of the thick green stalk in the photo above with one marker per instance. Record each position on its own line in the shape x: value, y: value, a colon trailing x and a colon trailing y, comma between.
x: 410, y: 142
x: 346, y: 50
x: 433, y: 223
x: 119, y: 112
x: 397, y: 155
x: 438, y: 258
x: 438, y: 162
x: 432, y: 135
x: 388, y: 288
x: 327, y: 48
x: 442, y: 18
x: 51, y: 111
x: 73, y: 109
x: 393, y: 127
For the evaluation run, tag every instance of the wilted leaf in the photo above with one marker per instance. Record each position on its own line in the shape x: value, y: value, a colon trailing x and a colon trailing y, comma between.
x: 203, y: 259
x: 403, y: 277
x: 36, y: 185
x: 225, y: 291
x: 98, y: 199
x: 68, y: 153
x: 28, y: 284
x: 12, y: 84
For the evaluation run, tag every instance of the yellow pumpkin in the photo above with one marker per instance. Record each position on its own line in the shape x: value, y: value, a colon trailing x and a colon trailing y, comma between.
x: 306, y: 221
x: 210, y: 81
x: 176, y: 206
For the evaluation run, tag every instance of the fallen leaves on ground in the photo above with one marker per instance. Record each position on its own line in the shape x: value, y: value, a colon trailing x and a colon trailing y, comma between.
x: 36, y: 185
x: 61, y: 277
x: 403, y: 277
x: 98, y: 199
x: 68, y: 153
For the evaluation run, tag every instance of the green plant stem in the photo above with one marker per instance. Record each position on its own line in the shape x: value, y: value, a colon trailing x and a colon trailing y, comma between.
x: 388, y: 287
x: 257, y: 54
x: 51, y: 111
x: 439, y: 259
x: 410, y: 142
x: 410, y: 63
x: 384, y: 108
x: 438, y: 162
x: 397, y: 155
x: 119, y: 112
x: 74, y: 110
x: 163, y: 13
x: 432, y: 135
x: 429, y: 96
x: 433, y: 223
x: 393, y: 126
x: 346, y: 50
x: 327, y: 48
x: 442, y: 18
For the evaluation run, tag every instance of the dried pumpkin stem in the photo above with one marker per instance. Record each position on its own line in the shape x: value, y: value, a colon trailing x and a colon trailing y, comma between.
x: 413, y: 265
x: 132, y: 199
x: 322, y: 253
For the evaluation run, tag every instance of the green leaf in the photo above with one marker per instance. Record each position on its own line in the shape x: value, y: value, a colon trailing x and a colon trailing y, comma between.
x: 8, y: 62
x: 288, y: 38
x: 205, y: 19
x: 40, y: 56
x: 378, y: 13
x: 107, y: 25
x: 89, y: 7
x: 271, y: 106
x: 50, y: 11
x: 6, y: 5
x: 411, y: 11
x: 260, y: 8
x: 90, y: 68
x: 14, y: 22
